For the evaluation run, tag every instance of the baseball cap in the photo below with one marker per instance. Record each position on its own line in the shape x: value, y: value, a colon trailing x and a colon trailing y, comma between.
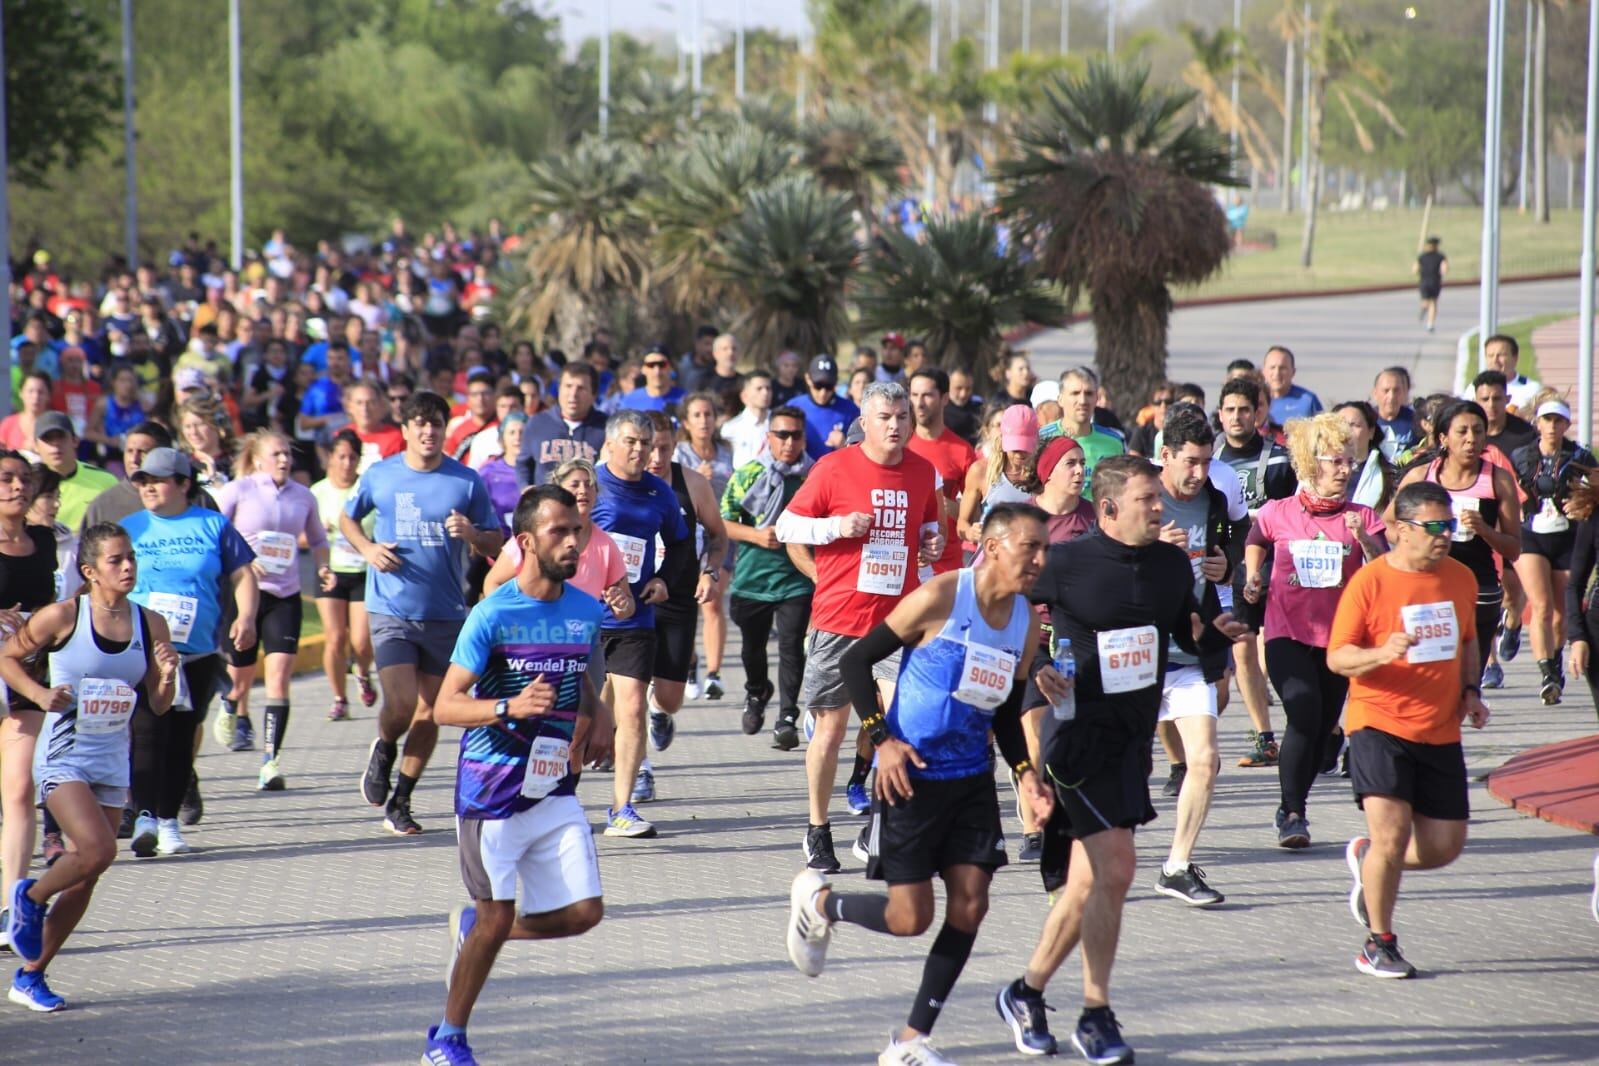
x: 189, y: 378
x: 823, y: 370
x: 896, y: 339
x: 855, y: 434
x: 1052, y: 454
x: 52, y: 422
x: 1556, y: 408
x: 1044, y: 392
x: 163, y: 462
x: 1018, y: 429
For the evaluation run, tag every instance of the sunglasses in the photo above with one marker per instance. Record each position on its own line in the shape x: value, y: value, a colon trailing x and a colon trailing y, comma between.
x: 1338, y: 462
x: 656, y: 364
x: 1434, y: 527
x: 787, y: 434
x: 1163, y: 401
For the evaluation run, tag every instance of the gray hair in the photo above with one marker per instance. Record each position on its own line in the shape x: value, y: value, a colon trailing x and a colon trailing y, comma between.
x: 637, y: 419
x: 1083, y: 374
x: 888, y: 391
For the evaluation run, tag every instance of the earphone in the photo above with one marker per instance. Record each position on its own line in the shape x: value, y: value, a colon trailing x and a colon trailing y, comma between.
x: 1110, y: 508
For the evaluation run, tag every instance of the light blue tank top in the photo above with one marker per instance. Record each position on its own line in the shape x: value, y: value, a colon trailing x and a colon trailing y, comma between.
x: 949, y: 688
x: 93, y: 732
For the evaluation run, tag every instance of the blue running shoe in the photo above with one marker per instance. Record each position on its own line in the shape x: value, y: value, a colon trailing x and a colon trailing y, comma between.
x: 1493, y: 676
x: 1099, y: 1039
x: 627, y: 822
x: 28, y: 989
x: 451, y: 1050
x: 243, y: 734
x: 859, y: 800
x: 644, y: 785
x: 462, y: 919
x: 1025, y: 1015
x: 663, y: 727
x: 25, y: 926
x: 1509, y: 643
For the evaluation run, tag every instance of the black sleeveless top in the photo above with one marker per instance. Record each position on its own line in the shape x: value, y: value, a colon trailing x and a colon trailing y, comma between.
x: 28, y: 582
x: 1475, y: 552
x: 680, y: 596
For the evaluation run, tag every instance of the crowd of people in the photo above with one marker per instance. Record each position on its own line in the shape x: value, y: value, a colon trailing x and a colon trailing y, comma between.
x: 546, y: 553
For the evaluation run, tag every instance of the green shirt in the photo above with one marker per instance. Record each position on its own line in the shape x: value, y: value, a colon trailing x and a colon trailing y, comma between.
x: 765, y: 574
x: 1098, y: 443
x: 77, y: 491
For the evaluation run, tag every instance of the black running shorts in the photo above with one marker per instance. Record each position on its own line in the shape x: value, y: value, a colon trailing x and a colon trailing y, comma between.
x: 945, y: 823
x: 1100, y: 777
x: 1429, y: 777
x: 628, y: 653
x: 277, y: 628
x: 348, y: 587
x: 674, y: 644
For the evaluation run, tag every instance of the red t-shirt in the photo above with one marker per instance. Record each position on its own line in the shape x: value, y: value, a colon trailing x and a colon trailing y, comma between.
x: 859, y: 580
x: 381, y: 443
x: 951, y: 457
x: 75, y: 399
x: 461, y: 434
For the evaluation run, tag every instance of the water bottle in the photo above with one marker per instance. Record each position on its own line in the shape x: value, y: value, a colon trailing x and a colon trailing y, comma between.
x: 1065, y: 709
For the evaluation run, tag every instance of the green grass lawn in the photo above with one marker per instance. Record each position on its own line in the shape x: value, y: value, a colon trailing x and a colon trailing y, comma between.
x: 1358, y: 248
x: 1521, y: 329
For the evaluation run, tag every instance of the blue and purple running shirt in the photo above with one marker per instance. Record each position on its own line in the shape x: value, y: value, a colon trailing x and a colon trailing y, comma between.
x: 508, y: 640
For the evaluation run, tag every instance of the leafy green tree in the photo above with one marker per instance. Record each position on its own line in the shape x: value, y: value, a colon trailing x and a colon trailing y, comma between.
x: 60, y: 86
x: 1112, y: 188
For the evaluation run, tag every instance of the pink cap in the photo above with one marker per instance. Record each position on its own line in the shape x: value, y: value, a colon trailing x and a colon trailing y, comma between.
x: 1018, y: 429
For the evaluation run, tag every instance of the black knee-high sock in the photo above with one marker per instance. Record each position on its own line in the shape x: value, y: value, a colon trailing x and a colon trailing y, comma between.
x: 403, y: 785
x: 868, y: 912
x: 945, y: 962
x: 274, y: 726
x: 863, y: 766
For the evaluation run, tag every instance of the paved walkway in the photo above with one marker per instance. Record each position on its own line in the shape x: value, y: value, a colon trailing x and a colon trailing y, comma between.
x: 299, y: 932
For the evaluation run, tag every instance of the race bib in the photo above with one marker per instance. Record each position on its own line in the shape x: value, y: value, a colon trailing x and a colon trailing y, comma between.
x: 179, y: 611
x: 1549, y: 519
x: 104, y: 706
x: 986, y: 676
x: 342, y: 554
x: 275, y: 551
x: 632, y: 549
x: 1459, y: 505
x: 1318, y: 564
x: 1434, y: 629
x: 1128, y: 659
x: 547, y: 765
x: 883, y: 569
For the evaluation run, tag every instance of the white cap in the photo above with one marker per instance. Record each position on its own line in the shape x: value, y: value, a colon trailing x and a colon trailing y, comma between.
x: 1044, y: 392
x: 1554, y: 407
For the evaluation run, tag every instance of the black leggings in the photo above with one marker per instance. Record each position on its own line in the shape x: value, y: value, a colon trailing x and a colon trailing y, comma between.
x: 163, y: 744
x: 1490, y: 605
x: 1313, y: 700
x: 755, y: 619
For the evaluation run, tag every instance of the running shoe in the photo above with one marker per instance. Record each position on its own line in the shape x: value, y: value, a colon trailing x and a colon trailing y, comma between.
x: 809, y: 931
x: 271, y: 777
x: 859, y: 800
x: 627, y: 823
x: 862, y: 848
x: 1381, y: 958
x: 691, y: 687
x: 1188, y: 885
x: 25, y: 922
x: 53, y: 848
x: 1032, y: 848
x: 462, y: 919
x: 1493, y: 676
x: 192, y: 809
x: 397, y: 819
x: 644, y: 785
x: 379, y: 766
x: 1174, y: 783
x: 808, y: 725
x: 818, y: 849
x: 755, y: 710
x: 169, y: 838
x: 223, y: 725
x: 663, y: 727
x: 1354, y: 855
x: 1294, y: 832
x: 145, y: 835
x: 917, y: 1051
x: 451, y: 1050
x: 1509, y: 640
x: 1262, y: 752
x: 28, y: 989
x: 1334, y: 748
x: 363, y: 681
x: 1027, y: 1018
x: 339, y: 711
x: 1099, y: 1038
x: 243, y: 734
x: 713, y: 686
x: 1552, y: 686
x: 125, y: 827
x: 785, y: 735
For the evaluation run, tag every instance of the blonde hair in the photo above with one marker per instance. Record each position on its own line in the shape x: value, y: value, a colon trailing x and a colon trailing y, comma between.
x: 207, y: 410
x: 250, y: 446
x: 571, y: 466
x: 1323, y: 434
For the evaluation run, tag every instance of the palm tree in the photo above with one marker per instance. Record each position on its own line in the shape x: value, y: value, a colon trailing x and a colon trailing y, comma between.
x: 1207, y: 73
x: 955, y: 289
x: 1112, y: 188
x: 788, y: 256
x: 853, y: 153
x: 652, y: 112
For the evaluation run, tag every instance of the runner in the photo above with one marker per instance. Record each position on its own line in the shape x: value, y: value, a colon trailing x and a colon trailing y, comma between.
x: 827, y: 414
x: 635, y: 507
x: 1430, y: 269
x: 951, y: 456
x: 1502, y: 352
x: 98, y: 655
x: 746, y: 431
x: 700, y: 448
x: 1006, y: 471
x: 1405, y: 636
x: 191, y: 557
x: 379, y: 438
x: 1377, y: 481
x: 341, y: 597
x: 1582, y: 608
x: 768, y: 590
x: 1288, y: 401
x: 967, y: 641
x: 1120, y: 597
x: 431, y: 510
x: 1546, y: 470
x: 272, y: 511
x: 1079, y: 393
x: 1506, y: 433
x: 571, y: 429
x: 1396, y: 419
x: 518, y: 683
x: 1312, y: 538
x: 56, y: 443
x: 874, y: 516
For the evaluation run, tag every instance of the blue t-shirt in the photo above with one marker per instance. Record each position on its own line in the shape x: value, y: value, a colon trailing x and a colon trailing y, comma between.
x: 508, y: 640
x: 821, y: 421
x: 184, y: 563
x: 316, y: 354
x: 634, y: 513
x: 1299, y: 403
x: 323, y: 397
x: 641, y: 400
x: 412, y: 506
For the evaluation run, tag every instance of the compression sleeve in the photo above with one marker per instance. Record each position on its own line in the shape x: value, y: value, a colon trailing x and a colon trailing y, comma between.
x: 1582, y: 566
x: 855, y: 668
x: 797, y: 529
x: 1008, y: 726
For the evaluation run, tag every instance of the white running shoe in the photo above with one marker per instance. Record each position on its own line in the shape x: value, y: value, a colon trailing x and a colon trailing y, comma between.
x: 145, y: 836
x: 223, y: 725
x: 169, y: 840
x: 691, y: 687
x: 1354, y: 856
x: 809, y: 931
x: 271, y: 777
x: 916, y: 1052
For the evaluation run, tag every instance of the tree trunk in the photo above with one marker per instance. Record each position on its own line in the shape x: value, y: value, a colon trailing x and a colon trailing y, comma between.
x: 1130, y: 344
x: 1286, y: 170
x: 1307, y: 245
x: 1540, y: 117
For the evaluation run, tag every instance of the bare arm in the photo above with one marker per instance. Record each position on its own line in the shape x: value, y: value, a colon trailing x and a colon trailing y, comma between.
x: 804, y: 560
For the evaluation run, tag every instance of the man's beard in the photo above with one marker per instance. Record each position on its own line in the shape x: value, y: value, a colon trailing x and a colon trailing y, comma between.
x: 557, y: 571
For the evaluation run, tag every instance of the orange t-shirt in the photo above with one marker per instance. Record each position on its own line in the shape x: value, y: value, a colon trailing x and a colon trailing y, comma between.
x: 1416, y: 701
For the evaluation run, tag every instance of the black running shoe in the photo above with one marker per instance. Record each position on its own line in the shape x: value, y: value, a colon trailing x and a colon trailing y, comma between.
x: 1024, y: 1012
x: 1099, y: 1038
x: 125, y: 827
x: 193, y: 807
x: 1552, y: 687
x: 1381, y: 958
x: 1032, y: 847
x: 1188, y: 885
x: 818, y: 849
x: 397, y: 819
x: 785, y: 735
x: 379, y: 765
x: 1335, y: 748
x: 1294, y: 832
x: 755, y: 711
x: 1174, y: 783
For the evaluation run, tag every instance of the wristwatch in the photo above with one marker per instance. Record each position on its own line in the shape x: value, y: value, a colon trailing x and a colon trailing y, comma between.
x: 502, y: 710
x: 712, y: 572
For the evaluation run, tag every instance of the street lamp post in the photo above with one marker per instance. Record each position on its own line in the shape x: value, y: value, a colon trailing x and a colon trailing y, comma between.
x: 1238, y: 28
x: 991, y: 51
x: 738, y: 57
x: 1110, y: 29
x: 1493, y: 127
x: 235, y: 134
x: 605, y: 69
x: 696, y: 31
x: 131, y: 190
x: 932, y: 122
x: 1065, y: 26
x: 1526, y: 110
x: 1590, y: 194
